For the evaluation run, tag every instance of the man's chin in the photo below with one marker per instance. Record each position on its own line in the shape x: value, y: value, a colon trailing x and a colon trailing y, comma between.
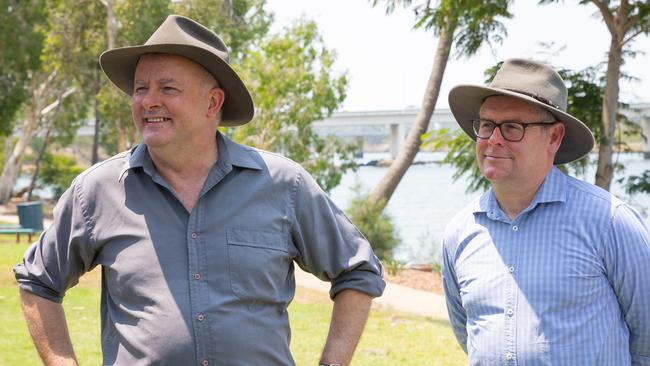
x: 494, y: 174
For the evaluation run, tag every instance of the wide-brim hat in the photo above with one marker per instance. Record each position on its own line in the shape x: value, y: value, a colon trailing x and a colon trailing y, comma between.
x: 184, y: 37
x: 533, y: 82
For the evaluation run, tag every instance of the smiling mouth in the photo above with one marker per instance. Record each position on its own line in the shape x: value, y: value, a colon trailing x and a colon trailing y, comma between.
x: 155, y: 120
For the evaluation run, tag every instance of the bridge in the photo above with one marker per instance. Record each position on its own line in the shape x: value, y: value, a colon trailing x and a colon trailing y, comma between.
x: 396, y: 124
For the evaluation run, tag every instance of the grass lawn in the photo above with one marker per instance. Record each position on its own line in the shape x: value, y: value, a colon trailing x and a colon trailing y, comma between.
x: 391, y: 338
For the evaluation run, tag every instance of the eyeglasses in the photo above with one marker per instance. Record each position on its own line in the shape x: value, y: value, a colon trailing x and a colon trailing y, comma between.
x: 511, y: 131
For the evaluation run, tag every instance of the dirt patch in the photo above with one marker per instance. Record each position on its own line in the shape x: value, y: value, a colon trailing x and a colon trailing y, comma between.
x: 420, y: 279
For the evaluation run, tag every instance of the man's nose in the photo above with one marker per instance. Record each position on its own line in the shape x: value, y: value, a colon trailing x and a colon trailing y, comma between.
x: 151, y: 100
x: 496, y: 138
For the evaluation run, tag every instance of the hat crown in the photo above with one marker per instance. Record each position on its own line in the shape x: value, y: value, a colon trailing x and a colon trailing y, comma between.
x: 533, y: 79
x: 177, y: 29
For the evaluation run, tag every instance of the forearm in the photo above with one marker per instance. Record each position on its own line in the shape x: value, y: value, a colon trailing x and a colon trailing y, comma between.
x: 48, y: 328
x: 349, y: 316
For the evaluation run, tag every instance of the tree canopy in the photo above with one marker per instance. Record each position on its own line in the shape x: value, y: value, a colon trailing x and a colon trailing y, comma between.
x: 54, y: 49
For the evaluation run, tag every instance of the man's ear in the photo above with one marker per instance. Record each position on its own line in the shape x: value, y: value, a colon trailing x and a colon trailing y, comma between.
x: 217, y: 97
x: 556, y: 135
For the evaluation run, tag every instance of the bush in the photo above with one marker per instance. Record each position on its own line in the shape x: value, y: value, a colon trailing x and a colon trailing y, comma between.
x: 58, y: 171
x: 374, y: 224
x: 393, y: 267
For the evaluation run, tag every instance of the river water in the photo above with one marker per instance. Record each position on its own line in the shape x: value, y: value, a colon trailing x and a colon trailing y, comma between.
x: 427, y: 198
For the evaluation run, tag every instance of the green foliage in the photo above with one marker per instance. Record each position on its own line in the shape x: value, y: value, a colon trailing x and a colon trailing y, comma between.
x: 436, y: 267
x: 138, y: 20
x: 635, y: 184
x: 473, y: 22
x: 58, y: 171
x: 376, y: 225
x: 393, y: 266
x: 21, y: 41
x: 293, y: 84
x: 240, y: 23
x: 117, y: 129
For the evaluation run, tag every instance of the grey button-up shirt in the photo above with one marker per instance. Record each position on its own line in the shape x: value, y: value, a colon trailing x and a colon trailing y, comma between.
x: 207, y: 287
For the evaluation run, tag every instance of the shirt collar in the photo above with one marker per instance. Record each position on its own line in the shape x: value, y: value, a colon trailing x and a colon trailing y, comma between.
x: 553, y: 189
x: 230, y: 153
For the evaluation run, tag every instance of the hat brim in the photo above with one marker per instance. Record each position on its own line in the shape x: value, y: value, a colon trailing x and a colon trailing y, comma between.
x: 119, y: 66
x: 465, y: 102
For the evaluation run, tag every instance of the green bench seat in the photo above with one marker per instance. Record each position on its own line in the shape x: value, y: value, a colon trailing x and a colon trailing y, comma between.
x: 17, y: 230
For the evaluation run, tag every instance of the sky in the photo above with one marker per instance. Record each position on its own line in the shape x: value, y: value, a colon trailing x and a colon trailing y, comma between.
x: 388, y: 62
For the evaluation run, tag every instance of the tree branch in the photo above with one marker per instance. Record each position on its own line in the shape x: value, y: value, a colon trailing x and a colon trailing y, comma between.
x: 609, y: 18
x: 58, y: 101
x: 630, y: 22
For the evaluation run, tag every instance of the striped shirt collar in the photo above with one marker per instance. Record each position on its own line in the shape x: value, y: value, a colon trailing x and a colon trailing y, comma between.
x: 553, y: 189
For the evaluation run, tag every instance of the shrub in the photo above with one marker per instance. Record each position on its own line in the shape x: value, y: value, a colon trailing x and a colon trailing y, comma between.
x: 374, y: 224
x: 393, y: 266
x: 58, y: 171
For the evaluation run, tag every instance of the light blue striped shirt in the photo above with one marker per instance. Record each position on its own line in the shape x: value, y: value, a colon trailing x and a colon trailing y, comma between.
x: 567, y: 282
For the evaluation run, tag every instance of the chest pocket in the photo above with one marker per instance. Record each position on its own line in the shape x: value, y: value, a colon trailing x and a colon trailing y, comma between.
x: 259, y: 263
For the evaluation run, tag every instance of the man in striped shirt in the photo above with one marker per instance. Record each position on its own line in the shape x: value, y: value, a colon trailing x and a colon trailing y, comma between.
x: 542, y: 269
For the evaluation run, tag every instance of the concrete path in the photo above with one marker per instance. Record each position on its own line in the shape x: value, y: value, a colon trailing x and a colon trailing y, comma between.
x: 395, y: 296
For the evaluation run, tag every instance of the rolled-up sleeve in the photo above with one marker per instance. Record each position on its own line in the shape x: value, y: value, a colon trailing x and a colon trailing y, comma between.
x: 329, y: 245
x: 61, y: 255
x: 628, y: 269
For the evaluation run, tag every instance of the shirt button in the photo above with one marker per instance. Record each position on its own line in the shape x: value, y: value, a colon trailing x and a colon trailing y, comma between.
x: 511, y: 269
x: 509, y: 311
x: 197, y: 276
x: 200, y: 317
x: 205, y: 363
x: 509, y: 356
x: 515, y: 228
x: 194, y: 235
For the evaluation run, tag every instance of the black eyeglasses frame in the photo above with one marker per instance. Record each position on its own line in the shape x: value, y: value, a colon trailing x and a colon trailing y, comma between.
x: 476, y: 125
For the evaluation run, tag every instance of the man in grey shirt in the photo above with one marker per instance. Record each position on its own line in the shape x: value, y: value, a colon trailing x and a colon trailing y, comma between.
x: 196, y: 235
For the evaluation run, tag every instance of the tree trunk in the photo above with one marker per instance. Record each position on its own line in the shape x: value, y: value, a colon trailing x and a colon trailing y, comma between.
x: 37, y: 163
x: 406, y: 155
x: 95, y: 154
x: 33, y: 116
x: 111, y: 23
x: 111, y: 35
x: 12, y: 163
x: 605, y: 171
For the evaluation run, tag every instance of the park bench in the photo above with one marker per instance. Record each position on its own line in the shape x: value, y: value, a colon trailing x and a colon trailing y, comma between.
x: 30, y: 221
x: 15, y: 229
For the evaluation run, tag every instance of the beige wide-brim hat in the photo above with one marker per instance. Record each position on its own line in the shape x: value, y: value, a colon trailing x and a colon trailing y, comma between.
x: 184, y: 37
x: 533, y: 82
